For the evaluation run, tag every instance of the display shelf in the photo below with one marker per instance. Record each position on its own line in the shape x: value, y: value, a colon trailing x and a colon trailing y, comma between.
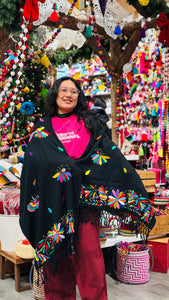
x: 132, y: 157
x: 116, y: 238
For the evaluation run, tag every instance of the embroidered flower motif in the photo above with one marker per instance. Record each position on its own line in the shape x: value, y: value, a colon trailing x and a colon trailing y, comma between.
x: 140, y: 204
x: 87, y: 172
x: 124, y: 170
x: 92, y: 192
x: 40, y: 257
x: 146, y: 215
x: 99, y: 158
x: 33, y: 204
x: 102, y: 193
x: 39, y: 133
x: 49, y: 210
x: 60, y: 149
x: 132, y: 197
x: 117, y: 199
x: 70, y: 223
x: 46, y: 246
x: 63, y: 174
x: 56, y: 233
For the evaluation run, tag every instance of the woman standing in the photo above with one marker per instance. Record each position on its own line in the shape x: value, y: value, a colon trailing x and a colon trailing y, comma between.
x: 72, y: 172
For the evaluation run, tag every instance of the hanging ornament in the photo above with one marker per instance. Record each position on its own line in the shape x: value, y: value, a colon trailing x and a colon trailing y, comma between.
x: 54, y: 16
x: 88, y: 32
x: 163, y: 24
x: 31, y: 10
x: 143, y: 2
x: 45, y: 61
x: 141, y: 150
x: 143, y: 32
x: 117, y: 30
x: 103, y: 6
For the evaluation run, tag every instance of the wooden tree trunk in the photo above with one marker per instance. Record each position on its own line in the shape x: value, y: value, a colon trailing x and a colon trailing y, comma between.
x: 6, y: 43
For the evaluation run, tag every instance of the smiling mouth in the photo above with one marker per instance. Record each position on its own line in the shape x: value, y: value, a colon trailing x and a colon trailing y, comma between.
x: 67, y: 101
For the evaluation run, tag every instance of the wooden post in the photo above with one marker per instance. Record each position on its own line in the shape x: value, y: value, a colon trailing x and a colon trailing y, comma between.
x: 54, y: 73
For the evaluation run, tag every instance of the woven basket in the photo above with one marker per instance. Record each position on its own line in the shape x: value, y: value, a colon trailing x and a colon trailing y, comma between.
x: 133, y: 267
x: 38, y: 290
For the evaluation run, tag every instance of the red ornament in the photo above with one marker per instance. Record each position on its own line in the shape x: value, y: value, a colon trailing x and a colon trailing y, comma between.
x: 54, y: 16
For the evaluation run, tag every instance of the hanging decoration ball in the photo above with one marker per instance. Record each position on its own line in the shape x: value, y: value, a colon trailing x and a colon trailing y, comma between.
x: 143, y: 2
x: 26, y: 90
x: 44, y: 93
x: 54, y: 16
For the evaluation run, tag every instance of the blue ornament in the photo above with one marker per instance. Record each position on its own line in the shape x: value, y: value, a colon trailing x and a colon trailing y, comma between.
x: 117, y: 30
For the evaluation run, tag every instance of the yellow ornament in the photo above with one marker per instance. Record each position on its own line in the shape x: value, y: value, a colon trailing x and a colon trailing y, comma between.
x: 26, y: 90
x: 45, y: 61
x: 143, y: 2
x: 9, y: 136
x: 18, y: 106
x: 101, y: 87
x: 36, y: 59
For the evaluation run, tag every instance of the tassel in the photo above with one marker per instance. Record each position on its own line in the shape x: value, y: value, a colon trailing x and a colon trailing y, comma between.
x: 88, y: 32
x: 54, y: 16
x: 141, y: 151
x: 117, y: 30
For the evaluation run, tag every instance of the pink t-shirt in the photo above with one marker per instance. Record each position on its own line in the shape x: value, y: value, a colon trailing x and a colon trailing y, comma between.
x: 73, y: 134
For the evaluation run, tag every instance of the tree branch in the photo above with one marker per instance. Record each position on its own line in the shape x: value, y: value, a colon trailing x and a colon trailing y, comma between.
x: 6, y: 44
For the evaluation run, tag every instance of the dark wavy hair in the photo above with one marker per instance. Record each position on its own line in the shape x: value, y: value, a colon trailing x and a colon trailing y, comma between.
x: 81, y: 109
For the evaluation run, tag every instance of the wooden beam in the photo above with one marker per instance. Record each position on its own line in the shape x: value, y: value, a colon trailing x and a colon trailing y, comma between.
x: 126, y: 6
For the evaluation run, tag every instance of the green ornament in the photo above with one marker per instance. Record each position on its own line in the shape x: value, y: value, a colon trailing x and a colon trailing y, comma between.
x: 44, y: 93
x: 88, y: 32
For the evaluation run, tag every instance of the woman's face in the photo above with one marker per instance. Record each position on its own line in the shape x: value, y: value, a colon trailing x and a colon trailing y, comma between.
x: 67, y: 97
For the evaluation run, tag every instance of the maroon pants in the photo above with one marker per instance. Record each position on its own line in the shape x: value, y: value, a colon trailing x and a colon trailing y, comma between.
x: 85, y: 269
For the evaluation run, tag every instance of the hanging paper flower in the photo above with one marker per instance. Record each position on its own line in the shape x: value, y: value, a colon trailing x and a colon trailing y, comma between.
x: 143, y: 2
x: 54, y: 16
x: 27, y: 108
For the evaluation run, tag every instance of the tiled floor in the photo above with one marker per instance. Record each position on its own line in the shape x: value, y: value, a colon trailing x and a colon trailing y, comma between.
x: 156, y: 289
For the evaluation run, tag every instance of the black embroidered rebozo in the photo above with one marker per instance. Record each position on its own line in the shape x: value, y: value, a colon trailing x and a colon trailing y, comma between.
x: 56, y: 190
